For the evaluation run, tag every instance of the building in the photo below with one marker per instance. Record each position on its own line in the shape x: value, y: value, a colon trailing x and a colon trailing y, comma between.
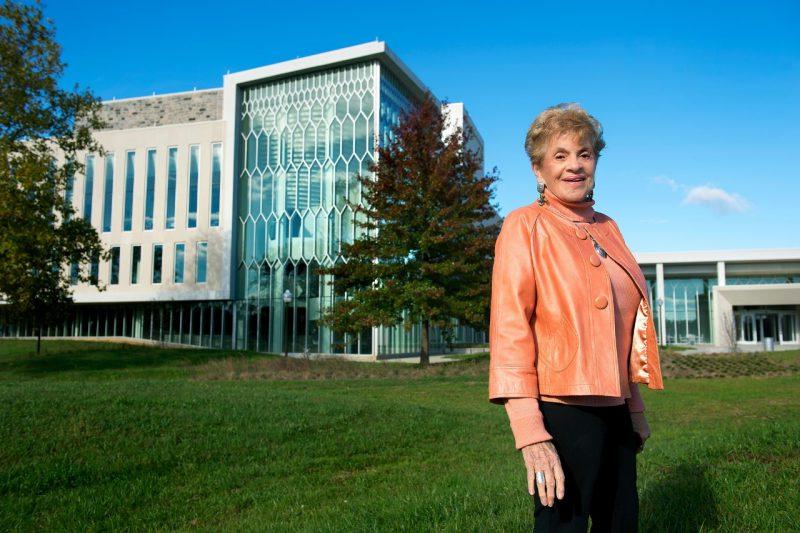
x: 216, y: 202
x: 725, y: 296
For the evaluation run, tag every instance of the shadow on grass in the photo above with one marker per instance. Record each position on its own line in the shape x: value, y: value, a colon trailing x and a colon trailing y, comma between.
x: 108, y: 357
x: 680, y: 499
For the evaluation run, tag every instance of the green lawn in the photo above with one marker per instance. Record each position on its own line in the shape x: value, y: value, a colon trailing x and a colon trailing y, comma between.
x: 99, y: 436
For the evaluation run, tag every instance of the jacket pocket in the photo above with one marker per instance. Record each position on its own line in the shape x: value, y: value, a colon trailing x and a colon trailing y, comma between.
x: 557, y: 342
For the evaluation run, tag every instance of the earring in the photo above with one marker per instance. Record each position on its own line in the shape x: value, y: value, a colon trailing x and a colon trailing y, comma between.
x: 589, y: 195
x: 540, y: 188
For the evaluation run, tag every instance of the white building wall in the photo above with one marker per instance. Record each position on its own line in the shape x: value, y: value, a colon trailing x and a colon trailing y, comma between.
x: 182, y: 136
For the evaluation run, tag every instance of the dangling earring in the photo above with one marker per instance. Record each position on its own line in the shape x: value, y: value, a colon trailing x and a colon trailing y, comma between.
x: 540, y: 188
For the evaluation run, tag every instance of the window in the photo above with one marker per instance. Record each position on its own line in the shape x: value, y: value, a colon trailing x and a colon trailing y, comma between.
x: 73, y: 273
x: 202, y: 262
x: 130, y: 158
x: 70, y: 185
x: 136, y: 261
x: 94, y: 269
x: 108, y: 192
x: 194, y: 161
x: 150, y: 189
x: 114, y: 277
x: 216, y: 173
x: 172, y: 181
x: 180, y: 248
x: 88, y: 189
x: 158, y: 251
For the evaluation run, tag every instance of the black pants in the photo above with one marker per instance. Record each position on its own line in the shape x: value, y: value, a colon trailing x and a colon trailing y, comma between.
x: 597, y: 449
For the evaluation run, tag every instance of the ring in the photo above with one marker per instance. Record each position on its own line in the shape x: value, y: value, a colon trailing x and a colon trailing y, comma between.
x: 539, y: 477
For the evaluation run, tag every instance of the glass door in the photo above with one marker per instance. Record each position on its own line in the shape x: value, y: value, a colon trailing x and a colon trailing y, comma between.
x: 748, y: 331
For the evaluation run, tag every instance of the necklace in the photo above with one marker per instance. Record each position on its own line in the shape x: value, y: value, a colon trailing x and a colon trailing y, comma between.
x: 597, y: 247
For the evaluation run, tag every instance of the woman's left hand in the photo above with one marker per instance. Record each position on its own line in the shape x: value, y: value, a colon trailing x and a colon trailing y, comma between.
x: 640, y: 426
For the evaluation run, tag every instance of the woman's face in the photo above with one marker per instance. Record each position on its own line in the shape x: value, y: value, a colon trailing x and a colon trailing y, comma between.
x: 567, y: 167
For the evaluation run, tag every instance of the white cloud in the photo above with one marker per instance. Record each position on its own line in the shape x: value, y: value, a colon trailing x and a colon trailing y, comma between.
x: 671, y: 183
x: 717, y: 199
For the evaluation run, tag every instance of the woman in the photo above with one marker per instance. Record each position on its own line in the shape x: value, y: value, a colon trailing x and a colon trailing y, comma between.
x: 571, y: 336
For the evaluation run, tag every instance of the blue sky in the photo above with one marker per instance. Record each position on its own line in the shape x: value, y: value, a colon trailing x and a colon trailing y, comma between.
x: 700, y: 101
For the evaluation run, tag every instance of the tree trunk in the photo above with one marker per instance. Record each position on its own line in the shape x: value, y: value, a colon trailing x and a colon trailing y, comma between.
x: 423, y: 354
x: 38, y: 339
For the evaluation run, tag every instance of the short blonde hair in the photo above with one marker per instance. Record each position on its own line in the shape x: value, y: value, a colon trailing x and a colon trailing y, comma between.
x: 558, y: 119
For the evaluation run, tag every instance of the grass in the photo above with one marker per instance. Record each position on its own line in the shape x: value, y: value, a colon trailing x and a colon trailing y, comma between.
x: 99, y: 436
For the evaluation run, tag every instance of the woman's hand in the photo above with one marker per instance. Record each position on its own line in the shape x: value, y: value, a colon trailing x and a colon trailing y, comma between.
x: 640, y: 426
x: 542, y: 457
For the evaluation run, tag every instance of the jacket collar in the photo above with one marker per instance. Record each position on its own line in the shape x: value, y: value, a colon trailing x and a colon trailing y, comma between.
x: 574, y: 211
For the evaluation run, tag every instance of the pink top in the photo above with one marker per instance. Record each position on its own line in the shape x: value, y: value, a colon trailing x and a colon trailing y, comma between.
x: 523, y: 413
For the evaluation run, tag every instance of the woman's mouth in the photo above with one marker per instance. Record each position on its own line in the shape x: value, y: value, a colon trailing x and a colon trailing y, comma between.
x: 574, y: 179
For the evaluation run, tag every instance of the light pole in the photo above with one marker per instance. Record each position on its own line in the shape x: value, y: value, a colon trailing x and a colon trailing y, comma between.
x: 660, y: 303
x: 287, y: 299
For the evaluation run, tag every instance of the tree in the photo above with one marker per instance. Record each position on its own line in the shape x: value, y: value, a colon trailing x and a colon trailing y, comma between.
x: 425, y: 254
x: 42, y: 129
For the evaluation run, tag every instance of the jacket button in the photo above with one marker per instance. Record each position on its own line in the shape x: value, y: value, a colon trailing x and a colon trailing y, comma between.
x: 580, y: 233
x: 600, y: 302
x: 594, y: 260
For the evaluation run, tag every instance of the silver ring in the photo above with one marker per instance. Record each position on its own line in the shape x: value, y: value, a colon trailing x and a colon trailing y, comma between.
x: 539, y: 477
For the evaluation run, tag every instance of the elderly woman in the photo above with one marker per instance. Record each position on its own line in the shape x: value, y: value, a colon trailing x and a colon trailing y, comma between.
x: 571, y: 336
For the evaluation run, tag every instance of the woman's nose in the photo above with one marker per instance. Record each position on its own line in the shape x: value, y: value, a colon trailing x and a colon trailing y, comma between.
x: 574, y: 163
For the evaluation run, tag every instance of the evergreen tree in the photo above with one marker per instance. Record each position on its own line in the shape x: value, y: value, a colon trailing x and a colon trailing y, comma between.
x: 42, y: 129
x: 425, y: 254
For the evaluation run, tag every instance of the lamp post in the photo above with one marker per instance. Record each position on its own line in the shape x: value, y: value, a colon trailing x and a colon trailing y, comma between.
x: 287, y: 299
x: 660, y: 303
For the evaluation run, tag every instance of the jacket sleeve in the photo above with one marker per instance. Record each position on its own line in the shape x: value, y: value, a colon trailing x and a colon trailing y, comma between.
x: 512, y: 352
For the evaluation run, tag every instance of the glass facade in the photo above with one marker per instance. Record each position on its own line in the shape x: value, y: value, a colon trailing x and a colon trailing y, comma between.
x: 688, y: 305
x: 88, y: 189
x: 180, y: 250
x: 194, y: 162
x: 216, y: 179
x: 136, y: 263
x: 303, y: 140
x: 172, y: 184
x: 201, y: 259
x: 127, y: 221
x: 108, y: 192
x: 150, y: 189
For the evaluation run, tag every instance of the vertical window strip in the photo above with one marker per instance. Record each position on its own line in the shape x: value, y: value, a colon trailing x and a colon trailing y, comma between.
x: 202, y: 262
x: 136, y: 261
x: 150, y: 189
x: 108, y: 192
x: 130, y: 158
x: 180, y: 249
x: 216, y: 178
x: 172, y: 182
x: 114, y: 274
x: 194, y: 162
x: 158, y: 253
x: 88, y: 189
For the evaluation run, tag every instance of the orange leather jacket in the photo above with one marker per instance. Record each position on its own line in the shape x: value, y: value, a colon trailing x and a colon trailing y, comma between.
x: 551, y: 328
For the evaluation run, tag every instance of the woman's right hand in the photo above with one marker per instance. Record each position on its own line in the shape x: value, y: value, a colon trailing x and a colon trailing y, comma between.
x: 542, y: 457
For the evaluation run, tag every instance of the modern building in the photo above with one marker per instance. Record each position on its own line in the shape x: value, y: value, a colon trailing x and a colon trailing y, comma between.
x: 725, y: 296
x: 215, y: 203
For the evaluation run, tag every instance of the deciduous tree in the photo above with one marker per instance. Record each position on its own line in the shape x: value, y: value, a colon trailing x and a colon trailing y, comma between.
x: 425, y: 254
x: 42, y: 129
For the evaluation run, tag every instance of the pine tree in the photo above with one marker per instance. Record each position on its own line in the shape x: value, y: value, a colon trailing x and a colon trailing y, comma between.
x: 42, y: 129
x: 425, y: 254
